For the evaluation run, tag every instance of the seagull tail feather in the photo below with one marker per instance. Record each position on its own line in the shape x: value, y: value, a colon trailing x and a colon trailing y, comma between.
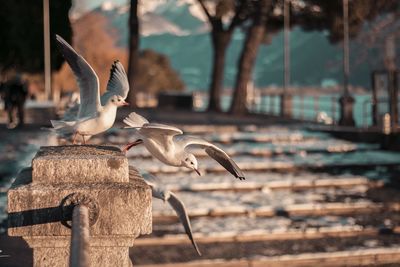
x: 61, y: 124
x: 134, y: 120
x: 62, y: 127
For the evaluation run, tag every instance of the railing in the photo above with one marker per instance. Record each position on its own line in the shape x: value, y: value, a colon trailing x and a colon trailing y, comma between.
x: 366, y: 115
x: 79, y: 250
x: 381, y: 110
x: 303, y: 107
x: 323, y: 108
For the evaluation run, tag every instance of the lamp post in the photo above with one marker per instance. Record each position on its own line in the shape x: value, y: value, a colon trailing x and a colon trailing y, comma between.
x: 346, y: 100
x: 46, y: 36
x: 287, y: 44
x: 285, y: 97
x: 390, y: 65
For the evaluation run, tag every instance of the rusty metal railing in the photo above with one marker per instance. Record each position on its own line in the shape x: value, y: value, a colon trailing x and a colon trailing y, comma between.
x: 79, y: 249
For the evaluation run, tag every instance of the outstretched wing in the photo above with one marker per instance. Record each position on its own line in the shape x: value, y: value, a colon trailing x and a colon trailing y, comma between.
x: 180, y: 210
x: 87, y: 79
x: 117, y: 83
x: 159, y: 192
x: 213, y: 151
x: 135, y: 120
x: 160, y: 133
x: 150, y: 179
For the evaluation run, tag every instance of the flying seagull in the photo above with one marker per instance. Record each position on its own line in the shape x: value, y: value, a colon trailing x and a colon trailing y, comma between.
x: 96, y: 114
x: 160, y: 192
x: 169, y: 145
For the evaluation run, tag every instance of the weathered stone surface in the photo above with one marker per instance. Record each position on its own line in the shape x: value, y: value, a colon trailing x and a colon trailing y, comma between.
x: 105, y: 251
x: 79, y: 164
x: 41, y: 199
x: 35, y: 209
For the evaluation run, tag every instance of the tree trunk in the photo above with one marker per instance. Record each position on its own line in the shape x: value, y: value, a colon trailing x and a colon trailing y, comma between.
x: 254, y: 37
x: 220, y: 41
x: 133, y: 51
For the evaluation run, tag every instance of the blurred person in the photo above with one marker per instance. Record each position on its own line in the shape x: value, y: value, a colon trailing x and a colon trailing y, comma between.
x: 14, y: 93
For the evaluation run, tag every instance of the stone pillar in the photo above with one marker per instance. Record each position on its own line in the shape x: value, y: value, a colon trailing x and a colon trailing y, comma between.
x: 41, y: 199
x: 286, y: 105
x: 346, y: 103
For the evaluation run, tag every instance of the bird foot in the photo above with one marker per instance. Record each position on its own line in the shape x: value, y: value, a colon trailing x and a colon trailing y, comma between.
x: 74, y: 138
x: 130, y: 145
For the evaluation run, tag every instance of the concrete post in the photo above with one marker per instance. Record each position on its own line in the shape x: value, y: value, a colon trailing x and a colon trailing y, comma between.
x: 41, y: 200
x: 346, y: 100
x: 346, y: 103
x: 286, y: 105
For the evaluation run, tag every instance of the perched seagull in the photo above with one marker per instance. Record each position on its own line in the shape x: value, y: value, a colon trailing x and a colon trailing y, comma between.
x: 95, y: 114
x: 169, y: 145
x: 160, y: 192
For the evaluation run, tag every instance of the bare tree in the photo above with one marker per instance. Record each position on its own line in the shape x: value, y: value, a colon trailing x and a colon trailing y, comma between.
x: 254, y: 36
x: 310, y: 15
x: 221, y: 35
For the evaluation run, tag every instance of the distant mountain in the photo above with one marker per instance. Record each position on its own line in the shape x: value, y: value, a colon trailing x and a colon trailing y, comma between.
x: 175, y: 28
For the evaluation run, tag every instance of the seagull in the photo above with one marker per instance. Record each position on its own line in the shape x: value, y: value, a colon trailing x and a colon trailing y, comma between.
x: 169, y: 145
x: 96, y: 114
x: 160, y: 192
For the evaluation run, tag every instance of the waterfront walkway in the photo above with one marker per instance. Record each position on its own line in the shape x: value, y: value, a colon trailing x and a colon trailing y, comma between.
x: 305, y: 192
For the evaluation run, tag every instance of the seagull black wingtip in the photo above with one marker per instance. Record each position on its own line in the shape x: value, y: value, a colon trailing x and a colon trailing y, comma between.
x: 199, y: 253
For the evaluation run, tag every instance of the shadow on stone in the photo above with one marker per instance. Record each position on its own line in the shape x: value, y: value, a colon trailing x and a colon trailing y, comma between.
x: 15, y: 252
x: 37, y: 216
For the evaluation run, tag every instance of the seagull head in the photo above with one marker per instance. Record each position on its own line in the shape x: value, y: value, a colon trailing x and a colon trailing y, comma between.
x: 189, y: 161
x: 118, y: 101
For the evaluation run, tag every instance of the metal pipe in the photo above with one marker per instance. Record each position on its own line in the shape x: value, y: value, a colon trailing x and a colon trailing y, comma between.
x: 79, y: 249
x: 46, y: 40
x: 316, y: 106
x: 346, y: 69
x: 271, y: 104
x: 286, y: 55
x: 334, y: 101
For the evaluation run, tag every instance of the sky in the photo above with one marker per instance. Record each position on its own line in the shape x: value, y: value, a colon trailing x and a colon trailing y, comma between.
x: 81, y: 6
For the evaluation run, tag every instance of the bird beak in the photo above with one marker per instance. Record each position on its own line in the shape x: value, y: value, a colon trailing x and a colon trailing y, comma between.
x: 125, y: 103
x: 197, y: 171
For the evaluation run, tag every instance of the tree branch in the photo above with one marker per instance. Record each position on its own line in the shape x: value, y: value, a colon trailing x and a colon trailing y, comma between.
x: 203, y: 6
x: 239, y: 17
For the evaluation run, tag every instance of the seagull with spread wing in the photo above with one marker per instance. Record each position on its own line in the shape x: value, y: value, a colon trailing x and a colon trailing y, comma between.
x: 169, y: 145
x: 159, y: 191
x: 96, y: 114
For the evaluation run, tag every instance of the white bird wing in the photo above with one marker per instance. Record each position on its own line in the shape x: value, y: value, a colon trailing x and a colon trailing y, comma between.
x: 135, y: 120
x: 214, y: 152
x: 86, y: 77
x: 117, y: 83
x: 158, y: 191
x: 180, y: 210
x: 71, y: 113
x: 160, y: 133
x: 150, y: 179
